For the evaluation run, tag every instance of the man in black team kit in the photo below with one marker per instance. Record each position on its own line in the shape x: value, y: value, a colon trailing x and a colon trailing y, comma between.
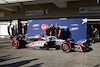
x: 47, y: 31
x: 58, y: 31
x: 52, y: 30
x: 93, y: 30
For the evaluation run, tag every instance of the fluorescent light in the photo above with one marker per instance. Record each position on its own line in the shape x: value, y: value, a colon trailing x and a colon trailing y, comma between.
x: 11, y: 1
x: 14, y: 1
x: 25, y: 0
x: 2, y: 2
x: 62, y: 18
x: 93, y: 19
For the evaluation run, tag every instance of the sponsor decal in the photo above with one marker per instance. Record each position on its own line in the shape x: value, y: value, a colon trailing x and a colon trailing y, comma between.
x: 38, y: 43
x: 63, y: 27
x: 37, y: 36
x: 35, y: 28
x: 37, y: 12
x: 44, y: 26
x: 84, y: 21
x: 78, y: 48
x: 73, y: 24
x: 89, y: 9
x: 75, y: 28
x: 27, y: 24
x: 29, y: 21
x: 35, y: 25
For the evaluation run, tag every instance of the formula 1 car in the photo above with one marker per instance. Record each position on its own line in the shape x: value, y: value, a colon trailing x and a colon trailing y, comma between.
x: 48, y: 43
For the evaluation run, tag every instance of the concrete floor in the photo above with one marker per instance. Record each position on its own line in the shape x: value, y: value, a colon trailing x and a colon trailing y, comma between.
x: 10, y: 57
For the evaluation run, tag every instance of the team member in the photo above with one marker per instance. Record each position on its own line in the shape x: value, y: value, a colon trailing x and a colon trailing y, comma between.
x: 93, y: 31
x: 47, y: 31
x: 58, y: 31
x: 52, y: 30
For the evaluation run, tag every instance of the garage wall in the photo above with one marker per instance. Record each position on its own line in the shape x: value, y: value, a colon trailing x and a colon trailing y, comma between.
x: 72, y: 10
x: 3, y: 28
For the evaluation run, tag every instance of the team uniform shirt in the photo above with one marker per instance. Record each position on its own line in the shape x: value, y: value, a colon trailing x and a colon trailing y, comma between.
x: 48, y: 32
x: 57, y: 30
x: 92, y: 34
x: 52, y: 29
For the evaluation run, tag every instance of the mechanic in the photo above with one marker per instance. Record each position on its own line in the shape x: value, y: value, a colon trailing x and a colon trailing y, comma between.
x: 58, y: 31
x: 93, y: 30
x: 47, y: 31
x: 52, y: 30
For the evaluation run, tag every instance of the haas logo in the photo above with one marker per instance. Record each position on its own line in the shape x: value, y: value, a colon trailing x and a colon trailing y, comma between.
x: 37, y: 36
x: 44, y: 26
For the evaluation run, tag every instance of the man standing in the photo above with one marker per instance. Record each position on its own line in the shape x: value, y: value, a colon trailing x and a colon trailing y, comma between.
x: 93, y: 31
x: 58, y: 31
x: 47, y: 31
x: 52, y: 30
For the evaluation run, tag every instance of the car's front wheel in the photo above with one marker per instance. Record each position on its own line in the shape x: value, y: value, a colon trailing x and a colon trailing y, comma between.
x: 65, y: 47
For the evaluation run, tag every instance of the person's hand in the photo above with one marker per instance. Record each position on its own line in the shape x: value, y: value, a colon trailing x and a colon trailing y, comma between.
x: 93, y: 31
x: 58, y: 34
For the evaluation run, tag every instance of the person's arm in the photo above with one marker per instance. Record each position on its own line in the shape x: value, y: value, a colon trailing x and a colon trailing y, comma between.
x: 95, y: 30
x: 50, y: 33
x: 59, y: 32
x: 45, y: 33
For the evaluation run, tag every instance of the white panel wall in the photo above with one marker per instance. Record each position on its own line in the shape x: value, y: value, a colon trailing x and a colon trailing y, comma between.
x: 3, y: 30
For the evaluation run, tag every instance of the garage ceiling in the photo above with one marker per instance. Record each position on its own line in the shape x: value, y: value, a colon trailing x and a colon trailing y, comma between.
x: 8, y: 4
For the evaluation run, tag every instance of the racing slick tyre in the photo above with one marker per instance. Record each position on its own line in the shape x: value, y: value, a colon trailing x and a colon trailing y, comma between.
x: 15, y: 44
x: 19, y: 44
x: 65, y: 47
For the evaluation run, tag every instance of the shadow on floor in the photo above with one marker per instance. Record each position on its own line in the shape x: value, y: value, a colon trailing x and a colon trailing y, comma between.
x: 2, y: 47
x: 98, y: 65
x: 17, y: 64
x: 36, y: 65
x: 6, y: 58
x: 4, y: 42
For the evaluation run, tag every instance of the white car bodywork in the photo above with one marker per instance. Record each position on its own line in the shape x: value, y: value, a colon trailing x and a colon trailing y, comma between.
x: 45, y: 40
